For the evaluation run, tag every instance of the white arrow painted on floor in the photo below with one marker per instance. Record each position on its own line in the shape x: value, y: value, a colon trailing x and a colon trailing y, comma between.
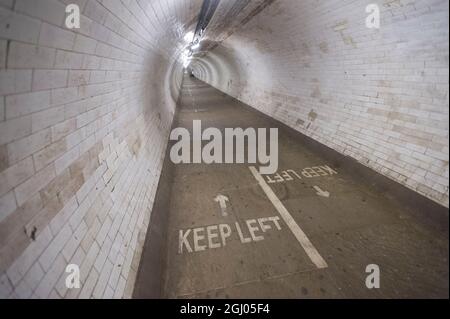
x: 222, y: 200
x: 321, y: 192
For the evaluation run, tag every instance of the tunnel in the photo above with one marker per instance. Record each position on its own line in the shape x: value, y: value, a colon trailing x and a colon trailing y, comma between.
x: 224, y: 149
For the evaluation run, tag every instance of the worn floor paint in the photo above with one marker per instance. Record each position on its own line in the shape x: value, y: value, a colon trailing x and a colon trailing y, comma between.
x: 348, y: 223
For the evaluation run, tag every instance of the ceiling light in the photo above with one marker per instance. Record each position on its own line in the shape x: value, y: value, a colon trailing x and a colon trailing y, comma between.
x: 189, y: 37
x: 186, y: 57
x: 186, y: 63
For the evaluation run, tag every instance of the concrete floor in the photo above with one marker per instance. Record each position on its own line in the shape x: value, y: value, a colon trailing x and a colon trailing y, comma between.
x: 355, y: 226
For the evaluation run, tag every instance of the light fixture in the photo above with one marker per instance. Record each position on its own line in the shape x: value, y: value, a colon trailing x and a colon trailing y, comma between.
x: 186, y: 63
x: 195, y: 46
x: 189, y: 37
x: 186, y: 57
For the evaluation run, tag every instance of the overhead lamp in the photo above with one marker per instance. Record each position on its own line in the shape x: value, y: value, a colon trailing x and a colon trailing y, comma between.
x: 189, y: 37
x: 186, y: 63
x: 186, y: 57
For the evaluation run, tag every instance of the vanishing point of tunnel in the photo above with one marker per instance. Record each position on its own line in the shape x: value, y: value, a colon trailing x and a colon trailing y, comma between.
x: 224, y: 149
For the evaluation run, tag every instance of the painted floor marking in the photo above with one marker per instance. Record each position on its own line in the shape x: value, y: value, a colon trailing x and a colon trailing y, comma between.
x: 289, y: 175
x: 321, y: 192
x: 222, y: 200
x: 309, y: 248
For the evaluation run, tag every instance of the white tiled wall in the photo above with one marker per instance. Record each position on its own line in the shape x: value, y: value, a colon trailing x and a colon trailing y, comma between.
x: 377, y: 95
x: 84, y: 121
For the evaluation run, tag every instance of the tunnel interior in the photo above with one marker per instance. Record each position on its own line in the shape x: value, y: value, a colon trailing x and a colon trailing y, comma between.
x: 86, y: 177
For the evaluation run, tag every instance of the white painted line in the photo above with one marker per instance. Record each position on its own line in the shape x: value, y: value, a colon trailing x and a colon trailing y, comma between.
x: 309, y: 248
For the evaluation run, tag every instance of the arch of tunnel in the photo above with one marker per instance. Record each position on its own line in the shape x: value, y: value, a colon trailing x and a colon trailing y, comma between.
x: 86, y: 179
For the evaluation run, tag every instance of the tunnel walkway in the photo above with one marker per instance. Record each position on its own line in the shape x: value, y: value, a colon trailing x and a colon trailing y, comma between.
x: 229, y: 237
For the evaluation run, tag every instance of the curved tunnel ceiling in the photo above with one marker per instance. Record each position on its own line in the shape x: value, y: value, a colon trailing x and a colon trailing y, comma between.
x: 168, y: 22
x: 217, y: 20
x: 166, y: 27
